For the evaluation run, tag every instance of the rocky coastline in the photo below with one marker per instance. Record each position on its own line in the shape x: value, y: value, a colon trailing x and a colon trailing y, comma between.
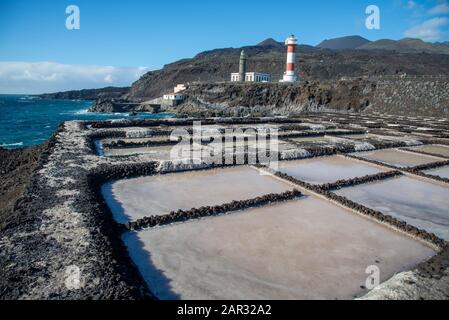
x: 410, y: 96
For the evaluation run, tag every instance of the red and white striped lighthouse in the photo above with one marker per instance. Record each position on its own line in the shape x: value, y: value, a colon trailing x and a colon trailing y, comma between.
x: 289, y: 75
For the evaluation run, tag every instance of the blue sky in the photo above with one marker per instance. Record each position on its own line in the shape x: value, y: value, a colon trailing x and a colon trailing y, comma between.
x: 135, y: 36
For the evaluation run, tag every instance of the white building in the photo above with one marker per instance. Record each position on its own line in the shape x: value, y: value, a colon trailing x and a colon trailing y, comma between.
x: 252, y: 77
x: 180, y: 87
x: 173, y: 97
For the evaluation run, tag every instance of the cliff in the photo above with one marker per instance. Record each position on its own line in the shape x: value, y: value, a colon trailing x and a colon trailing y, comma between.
x: 427, y: 96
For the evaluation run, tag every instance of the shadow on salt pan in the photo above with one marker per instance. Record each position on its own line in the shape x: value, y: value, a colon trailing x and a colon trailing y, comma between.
x: 141, y: 257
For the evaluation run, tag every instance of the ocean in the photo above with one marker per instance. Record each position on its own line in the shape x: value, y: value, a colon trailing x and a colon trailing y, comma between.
x: 28, y: 120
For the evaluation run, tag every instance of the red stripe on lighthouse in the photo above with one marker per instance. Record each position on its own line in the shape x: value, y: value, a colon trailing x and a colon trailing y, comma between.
x: 290, y: 66
x: 291, y: 49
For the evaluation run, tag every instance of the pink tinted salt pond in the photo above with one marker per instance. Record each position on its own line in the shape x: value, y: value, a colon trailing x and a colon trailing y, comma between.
x: 420, y: 203
x: 131, y: 199
x: 442, y: 172
x: 327, y: 169
x: 439, y: 150
x: 303, y: 249
x: 397, y: 158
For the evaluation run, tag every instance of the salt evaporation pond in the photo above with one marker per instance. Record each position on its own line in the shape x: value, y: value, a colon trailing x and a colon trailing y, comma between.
x: 327, y: 169
x: 397, y: 158
x: 154, y: 152
x: 136, y: 198
x: 318, y: 139
x: 419, y: 203
x: 303, y: 249
x: 355, y: 136
x: 439, y: 150
x: 442, y: 172
x: 137, y: 140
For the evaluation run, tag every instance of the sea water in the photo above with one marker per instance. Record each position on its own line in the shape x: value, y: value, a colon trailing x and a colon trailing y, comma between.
x: 29, y: 120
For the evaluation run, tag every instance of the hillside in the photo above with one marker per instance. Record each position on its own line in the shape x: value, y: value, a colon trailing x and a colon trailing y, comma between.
x: 350, y: 42
x: 406, y: 45
x: 269, y: 56
x: 88, y: 94
x: 351, y: 56
x: 426, y: 96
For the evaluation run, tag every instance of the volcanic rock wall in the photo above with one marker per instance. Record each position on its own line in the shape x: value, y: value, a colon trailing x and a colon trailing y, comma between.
x: 402, y: 96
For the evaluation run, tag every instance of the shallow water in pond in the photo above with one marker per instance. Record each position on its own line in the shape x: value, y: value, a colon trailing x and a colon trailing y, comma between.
x: 303, y: 249
x: 154, y: 152
x: 419, y: 203
x: 132, y: 199
x: 327, y: 169
x: 312, y: 139
x: 355, y: 136
x: 397, y: 158
x: 439, y: 150
x: 138, y: 140
x: 157, y: 152
x: 407, y: 139
x: 442, y: 172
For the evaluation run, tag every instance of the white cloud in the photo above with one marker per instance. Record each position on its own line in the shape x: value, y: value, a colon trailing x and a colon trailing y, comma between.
x: 40, y: 77
x: 109, y: 78
x: 411, y: 4
x: 430, y: 30
x: 442, y: 8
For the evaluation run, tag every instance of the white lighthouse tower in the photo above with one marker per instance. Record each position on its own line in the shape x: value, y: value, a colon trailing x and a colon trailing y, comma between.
x: 289, y: 75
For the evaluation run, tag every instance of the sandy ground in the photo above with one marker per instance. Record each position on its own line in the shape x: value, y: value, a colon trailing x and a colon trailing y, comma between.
x: 398, y: 158
x: 422, y: 204
x: 156, y: 195
x: 304, y: 249
x: 442, y: 172
x: 327, y: 169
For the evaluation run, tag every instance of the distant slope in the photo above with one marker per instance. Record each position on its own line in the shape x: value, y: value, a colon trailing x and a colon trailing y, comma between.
x: 406, y: 45
x: 444, y: 44
x: 88, y: 94
x: 269, y: 56
x: 350, y: 42
x: 270, y: 42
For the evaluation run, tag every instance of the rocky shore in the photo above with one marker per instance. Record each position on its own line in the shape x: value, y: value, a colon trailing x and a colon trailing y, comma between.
x: 17, y: 169
x: 57, y: 225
